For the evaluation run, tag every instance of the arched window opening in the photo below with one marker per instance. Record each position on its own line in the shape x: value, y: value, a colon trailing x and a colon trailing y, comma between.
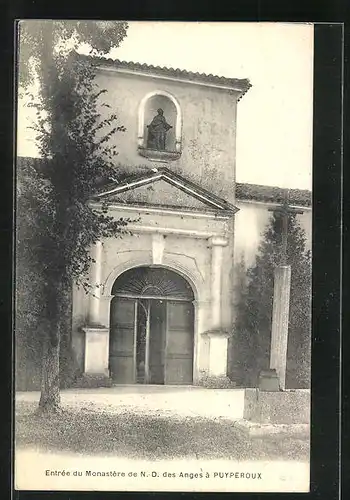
x: 152, y: 282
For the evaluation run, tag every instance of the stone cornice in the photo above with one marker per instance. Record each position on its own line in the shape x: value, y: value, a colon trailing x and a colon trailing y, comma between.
x: 190, y: 188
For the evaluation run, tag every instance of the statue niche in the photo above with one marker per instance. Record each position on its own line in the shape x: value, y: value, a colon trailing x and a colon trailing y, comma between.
x: 157, y: 131
x: 159, y: 127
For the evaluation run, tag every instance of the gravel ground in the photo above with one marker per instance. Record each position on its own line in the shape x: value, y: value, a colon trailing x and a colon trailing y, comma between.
x: 143, y: 399
x: 153, y: 434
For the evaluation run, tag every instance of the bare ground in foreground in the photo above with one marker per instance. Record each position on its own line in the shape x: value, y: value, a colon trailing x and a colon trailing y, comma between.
x: 92, y: 430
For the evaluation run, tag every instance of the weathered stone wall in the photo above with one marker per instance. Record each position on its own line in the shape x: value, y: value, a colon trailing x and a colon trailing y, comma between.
x: 287, y: 407
x: 208, y: 128
x: 190, y: 256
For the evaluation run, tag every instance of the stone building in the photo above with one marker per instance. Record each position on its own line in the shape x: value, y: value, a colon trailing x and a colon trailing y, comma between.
x: 165, y: 308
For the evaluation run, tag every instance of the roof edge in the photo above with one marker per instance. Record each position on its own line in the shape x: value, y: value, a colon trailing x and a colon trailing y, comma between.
x: 273, y: 194
x: 241, y: 85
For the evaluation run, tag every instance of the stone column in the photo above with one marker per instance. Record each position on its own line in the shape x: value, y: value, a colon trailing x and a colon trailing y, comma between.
x: 95, y: 279
x: 280, y: 318
x: 217, y: 336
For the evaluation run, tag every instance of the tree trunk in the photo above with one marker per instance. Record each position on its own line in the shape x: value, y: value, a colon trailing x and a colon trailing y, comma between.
x: 50, y: 399
x: 58, y: 304
x: 67, y: 362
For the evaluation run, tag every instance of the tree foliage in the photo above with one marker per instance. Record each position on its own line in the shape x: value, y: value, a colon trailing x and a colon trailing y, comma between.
x: 77, y: 156
x: 57, y: 225
x: 41, y: 42
x: 252, y: 333
x: 30, y: 232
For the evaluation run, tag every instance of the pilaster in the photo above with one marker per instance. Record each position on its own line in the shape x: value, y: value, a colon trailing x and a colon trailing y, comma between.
x: 95, y: 278
x: 217, y: 335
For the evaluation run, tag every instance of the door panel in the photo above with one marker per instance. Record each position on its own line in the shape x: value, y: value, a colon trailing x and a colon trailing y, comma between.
x: 157, y: 341
x: 179, y: 346
x: 122, y: 344
x: 171, y: 330
x: 141, y: 341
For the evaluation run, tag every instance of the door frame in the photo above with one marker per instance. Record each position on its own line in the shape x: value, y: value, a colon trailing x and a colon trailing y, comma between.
x: 137, y: 304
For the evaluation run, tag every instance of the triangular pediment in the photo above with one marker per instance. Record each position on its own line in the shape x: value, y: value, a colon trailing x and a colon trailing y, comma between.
x: 163, y: 188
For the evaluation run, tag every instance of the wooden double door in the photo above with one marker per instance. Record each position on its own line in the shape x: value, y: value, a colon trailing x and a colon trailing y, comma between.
x: 151, y: 341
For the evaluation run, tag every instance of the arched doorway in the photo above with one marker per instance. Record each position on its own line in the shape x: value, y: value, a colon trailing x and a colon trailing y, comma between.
x: 151, y: 328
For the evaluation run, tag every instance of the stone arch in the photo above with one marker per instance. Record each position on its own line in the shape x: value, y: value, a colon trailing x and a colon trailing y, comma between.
x: 141, y: 118
x: 195, y: 281
x: 153, y: 282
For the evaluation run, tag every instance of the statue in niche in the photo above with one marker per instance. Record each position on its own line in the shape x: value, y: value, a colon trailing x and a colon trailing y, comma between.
x: 157, y: 131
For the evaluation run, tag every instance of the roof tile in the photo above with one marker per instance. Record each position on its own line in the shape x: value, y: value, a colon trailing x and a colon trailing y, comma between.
x: 241, y: 84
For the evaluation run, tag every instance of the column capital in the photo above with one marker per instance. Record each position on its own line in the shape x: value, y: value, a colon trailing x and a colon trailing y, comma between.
x: 217, y: 333
x: 106, y: 297
x: 200, y: 302
x: 218, y: 241
x: 95, y: 329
